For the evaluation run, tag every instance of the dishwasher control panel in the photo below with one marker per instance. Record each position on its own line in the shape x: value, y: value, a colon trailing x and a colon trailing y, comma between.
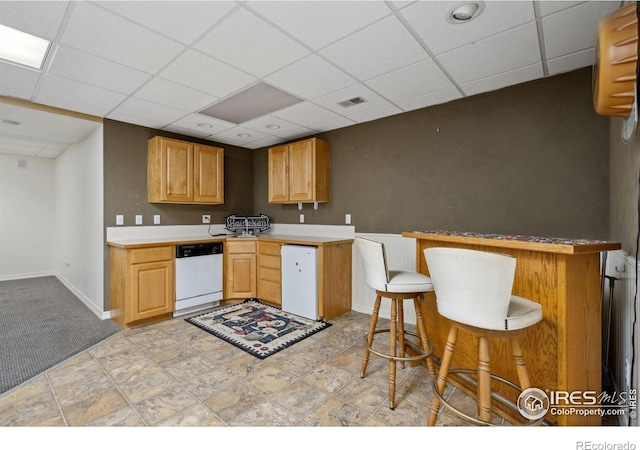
x: 207, y: 248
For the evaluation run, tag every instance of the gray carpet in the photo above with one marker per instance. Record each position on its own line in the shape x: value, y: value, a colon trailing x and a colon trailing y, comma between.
x: 42, y: 324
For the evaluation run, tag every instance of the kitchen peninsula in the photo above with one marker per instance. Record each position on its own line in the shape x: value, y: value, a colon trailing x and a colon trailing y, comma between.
x: 142, y: 273
x: 563, y: 351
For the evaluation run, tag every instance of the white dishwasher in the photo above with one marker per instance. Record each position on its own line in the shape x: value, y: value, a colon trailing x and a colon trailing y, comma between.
x: 300, y: 280
x: 198, y: 277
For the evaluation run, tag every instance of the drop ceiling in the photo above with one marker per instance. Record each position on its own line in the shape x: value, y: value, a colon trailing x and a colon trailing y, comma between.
x: 159, y: 64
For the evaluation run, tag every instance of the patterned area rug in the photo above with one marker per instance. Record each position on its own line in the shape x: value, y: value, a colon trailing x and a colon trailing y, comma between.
x: 256, y: 328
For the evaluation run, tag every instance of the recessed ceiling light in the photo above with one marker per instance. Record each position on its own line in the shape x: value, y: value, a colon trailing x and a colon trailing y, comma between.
x: 273, y: 127
x: 465, y: 12
x: 10, y: 122
x: 244, y: 135
x: 205, y: 125
x: 22, y: 48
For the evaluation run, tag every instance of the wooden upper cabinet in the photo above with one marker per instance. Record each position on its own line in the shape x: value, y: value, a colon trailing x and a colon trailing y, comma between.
x: 184, y: 172
x: 299, y: 172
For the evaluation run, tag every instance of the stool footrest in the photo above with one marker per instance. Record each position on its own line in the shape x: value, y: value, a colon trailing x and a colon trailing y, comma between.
x: 421, y: 353
x: 470, y: 419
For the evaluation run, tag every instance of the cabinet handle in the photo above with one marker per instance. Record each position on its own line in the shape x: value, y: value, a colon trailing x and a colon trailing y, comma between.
x: 340, y: 246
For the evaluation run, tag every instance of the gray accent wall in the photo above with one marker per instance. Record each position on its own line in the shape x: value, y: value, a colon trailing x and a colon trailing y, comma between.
x: 530, y: 159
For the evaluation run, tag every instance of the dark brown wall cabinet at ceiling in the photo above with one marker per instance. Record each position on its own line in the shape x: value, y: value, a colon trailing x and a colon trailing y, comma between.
x: 184, y: 172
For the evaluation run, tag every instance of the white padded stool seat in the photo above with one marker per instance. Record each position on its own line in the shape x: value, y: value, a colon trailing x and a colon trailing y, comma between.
x: 397, y: 286
x: 522, y: 313
x: 404, y: 281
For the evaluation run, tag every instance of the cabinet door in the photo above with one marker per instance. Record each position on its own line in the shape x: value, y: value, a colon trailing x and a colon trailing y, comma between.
x: 269, y: 272
x: 208, y: 174
x: 279, y: 174
x: 301, y: 171
x: 240, y: 276
x: 151, y: 290
x: 177, y: 171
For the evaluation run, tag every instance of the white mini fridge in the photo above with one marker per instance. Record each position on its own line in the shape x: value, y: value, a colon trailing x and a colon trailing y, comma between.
x: 300, y: 280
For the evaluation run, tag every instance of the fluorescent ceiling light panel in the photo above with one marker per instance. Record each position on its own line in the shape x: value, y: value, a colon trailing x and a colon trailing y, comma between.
x: 22, y: 48
x: 253, y: 102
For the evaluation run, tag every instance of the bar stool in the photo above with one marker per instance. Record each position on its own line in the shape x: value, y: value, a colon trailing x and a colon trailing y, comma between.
x: 396, y: 285
x: 473, y: 290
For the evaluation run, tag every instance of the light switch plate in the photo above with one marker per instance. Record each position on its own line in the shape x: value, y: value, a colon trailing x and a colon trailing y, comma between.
x: 347, y: 219
x: 138, y: 219
x: 301, y: 218
x: 119, y: 219
x: 156, y: 219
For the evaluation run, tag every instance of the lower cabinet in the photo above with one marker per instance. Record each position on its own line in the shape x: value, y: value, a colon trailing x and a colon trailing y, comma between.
x: 240, y: 268
x: 142, y: 287
x: 269, y: 272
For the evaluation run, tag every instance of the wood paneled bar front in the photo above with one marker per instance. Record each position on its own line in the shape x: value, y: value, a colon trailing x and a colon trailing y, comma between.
x: 563, y: 351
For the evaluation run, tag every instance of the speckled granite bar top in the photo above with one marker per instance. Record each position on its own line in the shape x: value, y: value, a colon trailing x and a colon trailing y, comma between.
x: 538, y: 243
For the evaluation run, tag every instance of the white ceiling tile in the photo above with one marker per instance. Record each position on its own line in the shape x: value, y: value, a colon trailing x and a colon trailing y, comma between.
x: 570, y: 62
x: 317, y: 25
x: 379, y: 48
x: 297, y: 134
x: 231, y: 136
x: 23, y: 143
x: 376, y: 113
x: 135, y: 120
x: 17, y: 81
x: 574, y: 29
x: 266, y: 142
x: 105, y: 34
x: 68, y: 94
x: 205, y: 74
x: 90, y: 69
x: 504, y: 79
x: 411, y: 81
x: 248, y: 43
x: 331, y: 101
x: 144, y: 109
x: 305, y: 114
x: 261, y: 124
x: 174, y: 95
x: 192, y: 120
x: 40, y: 18
x: 433, y: 98
x: 504, y: 52
x: 295, y: 78
x: 52, y: 150
x: 333, y: 124
x: 187, y: 131
x: 548, y: 7
x: 428, y: 19
x: 184, y: 21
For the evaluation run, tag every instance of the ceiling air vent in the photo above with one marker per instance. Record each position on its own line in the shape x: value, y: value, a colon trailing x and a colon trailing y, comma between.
x: 352, y: 101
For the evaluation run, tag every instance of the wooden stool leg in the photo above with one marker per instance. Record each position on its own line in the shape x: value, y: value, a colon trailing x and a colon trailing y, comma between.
x: 521, y: 367
x: 484, y: 380
x: 392, y: 352
x: 401, y: 343
x: 424, y: 337
x: 442, y: 375
x: 372, y: 329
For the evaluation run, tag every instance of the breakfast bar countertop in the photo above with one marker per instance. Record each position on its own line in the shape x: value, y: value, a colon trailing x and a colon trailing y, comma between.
x: 285, y: 238
x: 515, y: 241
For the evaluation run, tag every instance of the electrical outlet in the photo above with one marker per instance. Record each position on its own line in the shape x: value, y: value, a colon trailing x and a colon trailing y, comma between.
x: 301, y: 218
x: 119, y: 219
x: 156, y: 219
x: 206, y: 218
x: 347, y: 219
x: 138, y: 219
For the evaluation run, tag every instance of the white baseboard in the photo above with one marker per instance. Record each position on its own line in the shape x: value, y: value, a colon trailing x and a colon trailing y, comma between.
x: 22, y: 276
x: 102, y: 315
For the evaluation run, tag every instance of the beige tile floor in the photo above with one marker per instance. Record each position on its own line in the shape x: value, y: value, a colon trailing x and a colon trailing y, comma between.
x: 174, y: 374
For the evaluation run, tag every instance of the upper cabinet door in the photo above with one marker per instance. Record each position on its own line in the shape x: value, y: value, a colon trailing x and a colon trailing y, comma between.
x: 301, y: 171
x: 279, y: 174
x: 208, y: 174
x: 177, y: 165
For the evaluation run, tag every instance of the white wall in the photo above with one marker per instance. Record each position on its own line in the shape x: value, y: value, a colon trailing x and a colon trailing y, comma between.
x: 79, y: 226
x: 27, y: 206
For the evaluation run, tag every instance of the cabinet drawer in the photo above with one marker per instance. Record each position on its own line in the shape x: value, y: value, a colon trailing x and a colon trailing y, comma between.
x: 141, y: 255
x: 270, y: 261
x: 243, y: 246
x: 270, y: 290
x: 267, y: 273
x: 270, y: 248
